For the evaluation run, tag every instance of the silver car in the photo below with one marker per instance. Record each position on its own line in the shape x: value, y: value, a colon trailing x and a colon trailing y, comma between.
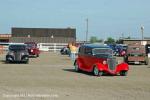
x: 17, y: 53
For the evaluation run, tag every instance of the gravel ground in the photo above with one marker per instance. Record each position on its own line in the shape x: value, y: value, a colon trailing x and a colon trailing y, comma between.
x: 51, y: 77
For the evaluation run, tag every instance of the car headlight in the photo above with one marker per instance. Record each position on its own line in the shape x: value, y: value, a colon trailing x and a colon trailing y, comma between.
x: 31, y: 50
x: 22, y: 53
x: 104, y: 62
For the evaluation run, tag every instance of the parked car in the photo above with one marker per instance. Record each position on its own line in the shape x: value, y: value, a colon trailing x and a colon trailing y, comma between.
x: 112, y: 46
x: 17, y: 53
x: 65, y: 51
x: 148, y: 50
x: 136, y: 54
x: 123, y: 50
x: 118, y: 49
x: 33, y: 49
x: 99, y: 59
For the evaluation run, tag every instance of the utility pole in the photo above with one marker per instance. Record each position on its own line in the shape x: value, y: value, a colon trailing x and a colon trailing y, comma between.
x: 122, y: 36
x: 87, y: 29
x: 142, y: 31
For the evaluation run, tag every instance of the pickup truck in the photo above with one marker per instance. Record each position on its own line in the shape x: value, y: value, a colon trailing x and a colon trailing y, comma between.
x: 136, y: 54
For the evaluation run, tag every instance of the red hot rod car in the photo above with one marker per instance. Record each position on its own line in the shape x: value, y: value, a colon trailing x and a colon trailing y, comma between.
x: 32, y: 49
x: 99, y: 59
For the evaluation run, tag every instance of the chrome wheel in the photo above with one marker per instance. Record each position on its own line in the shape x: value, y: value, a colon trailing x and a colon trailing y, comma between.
x: 100, y: 73
x: 123, y: 73
x: 96, y: 71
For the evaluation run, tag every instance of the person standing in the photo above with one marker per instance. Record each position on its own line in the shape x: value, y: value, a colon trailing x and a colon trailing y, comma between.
x: 73, y: 50
x: 69, y: 46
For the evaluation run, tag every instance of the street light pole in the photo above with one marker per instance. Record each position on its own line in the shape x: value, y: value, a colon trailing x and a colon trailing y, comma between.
x: 87, y: 29
x: 142, y: 31
x: 122, y: 36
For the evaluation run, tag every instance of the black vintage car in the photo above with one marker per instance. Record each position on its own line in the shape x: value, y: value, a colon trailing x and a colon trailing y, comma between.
x: 65, y: 51
x: 17, y: 53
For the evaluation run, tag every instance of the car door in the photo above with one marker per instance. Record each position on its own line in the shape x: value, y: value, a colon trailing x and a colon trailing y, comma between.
x: 88, y: 58
x: 81, y: 57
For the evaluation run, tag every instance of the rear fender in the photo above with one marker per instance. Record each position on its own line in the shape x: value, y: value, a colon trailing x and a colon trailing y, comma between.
x: 78, y: 62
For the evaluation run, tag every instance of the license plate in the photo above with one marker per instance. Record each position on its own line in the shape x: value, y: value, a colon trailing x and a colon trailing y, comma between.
x: 137, y: 62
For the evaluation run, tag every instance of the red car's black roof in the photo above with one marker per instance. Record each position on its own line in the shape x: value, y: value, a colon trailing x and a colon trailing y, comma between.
x: 95, y: 46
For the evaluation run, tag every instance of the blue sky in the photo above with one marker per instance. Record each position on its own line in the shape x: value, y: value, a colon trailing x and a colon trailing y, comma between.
x: 107, y: 18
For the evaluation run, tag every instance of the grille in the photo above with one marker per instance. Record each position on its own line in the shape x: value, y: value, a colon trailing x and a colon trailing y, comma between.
x: 111, y: 63
x: 17, y: 56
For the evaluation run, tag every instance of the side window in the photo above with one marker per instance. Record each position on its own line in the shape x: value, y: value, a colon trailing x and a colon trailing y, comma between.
x: 88, y: 51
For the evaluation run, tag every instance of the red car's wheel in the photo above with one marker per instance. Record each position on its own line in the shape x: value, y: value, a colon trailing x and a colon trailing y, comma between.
x: 123, y: 73
x: 97, y: 72
x: 76, y: 66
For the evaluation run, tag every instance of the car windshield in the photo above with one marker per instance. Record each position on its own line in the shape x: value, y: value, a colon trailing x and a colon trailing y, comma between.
x: 103, y: 52
x: 104, y: 55
x: 136, y: 48
x: 31, y: 45
x: 136, y: 54
x: 17, y: 47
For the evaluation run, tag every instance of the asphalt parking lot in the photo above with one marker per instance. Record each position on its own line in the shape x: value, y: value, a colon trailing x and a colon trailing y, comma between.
x: 51, y: 77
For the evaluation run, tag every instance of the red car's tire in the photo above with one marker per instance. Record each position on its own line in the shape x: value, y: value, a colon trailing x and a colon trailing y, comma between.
x: 96, y: 71
x: 123, y: 73
x: 76, y: 66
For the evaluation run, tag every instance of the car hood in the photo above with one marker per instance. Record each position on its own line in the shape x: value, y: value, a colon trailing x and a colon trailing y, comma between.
x: 17, y: 51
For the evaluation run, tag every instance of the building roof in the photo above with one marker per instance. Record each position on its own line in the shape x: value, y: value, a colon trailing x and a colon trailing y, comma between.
x: 145, y: 39
x: 43, y: 32
x: 5, y: 35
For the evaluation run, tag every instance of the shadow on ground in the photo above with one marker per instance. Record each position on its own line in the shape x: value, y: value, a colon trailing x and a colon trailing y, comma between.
x: 4, y: 62
x: 32, y: 56
x: 87, y: 73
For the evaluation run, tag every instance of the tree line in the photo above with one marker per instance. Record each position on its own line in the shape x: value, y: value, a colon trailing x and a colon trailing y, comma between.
x: 109, y: 40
